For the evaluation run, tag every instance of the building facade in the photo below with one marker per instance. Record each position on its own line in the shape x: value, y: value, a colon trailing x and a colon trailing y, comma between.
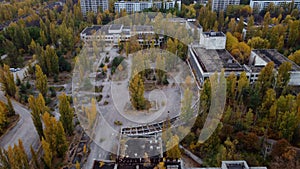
x: 219, y: 5
x: 137, y: 6
x: 93, y: 5
x: 263, y: 4
x: 114, y: 33
x: 210, y: 56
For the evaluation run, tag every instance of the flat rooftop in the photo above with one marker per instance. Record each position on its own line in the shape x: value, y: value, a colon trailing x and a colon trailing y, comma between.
x: 235, y: 166
x: 213, y: 34
x: 115, y: 27
x: 91, y: 30
x: 216, y: 60
x: 272, y: 55
x: 139, y: 147
x: 140, y: 28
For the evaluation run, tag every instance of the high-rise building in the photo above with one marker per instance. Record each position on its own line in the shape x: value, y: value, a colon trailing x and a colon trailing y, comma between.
x: 263, y: 4
x: 219, y: 5
x: 137, y: 6
x: 93, y: 5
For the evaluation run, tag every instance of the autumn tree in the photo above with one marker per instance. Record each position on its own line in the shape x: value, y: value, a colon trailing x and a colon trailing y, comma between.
x: 160, y: 69
x: 47, y: 155
x: 10, y: 107
x: 54, y: 135
x: 35, y: 160
x: 51, y: 61
x: 295, y: 57
x: 136, y: 90
x: 266, y: 79
x: 186, y: 108
x: 258, y: 43
x: 243, y: 83
x: 173, y: 150
x: 231, y: 86
x: 280, y: 148
x: 7, y: 81
x: 41, y: 80
x: 3, y: 115
x: 283, y: 77
x: 4, y: 159
x: 38, y: 107
x: 17, y: 156
x: 66, y: 113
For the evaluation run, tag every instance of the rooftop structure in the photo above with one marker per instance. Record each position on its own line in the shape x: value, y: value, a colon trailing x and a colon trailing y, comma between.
x: 260, y: 58
x: 213, y: 40
x: 149, y: 129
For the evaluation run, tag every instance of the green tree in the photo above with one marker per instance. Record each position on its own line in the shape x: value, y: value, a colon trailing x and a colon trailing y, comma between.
x: 66, y: 113
x: 51, y: 61
x: 41, y: 80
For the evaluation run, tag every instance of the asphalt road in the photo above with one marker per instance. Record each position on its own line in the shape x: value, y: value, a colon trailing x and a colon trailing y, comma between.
x: 23, y: 130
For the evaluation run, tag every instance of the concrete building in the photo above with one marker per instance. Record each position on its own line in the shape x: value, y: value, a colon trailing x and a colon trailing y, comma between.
x: 260, y: 58
x: 213, y: 40
x: 137, y: 6
x: 145, y: 33
x: 263, y: 4
x: 234, y: 165
x: 210, y: 56
x: 218, y: 5
x: 117, y: 32
x: 205, y: 62
x: 93, y: 5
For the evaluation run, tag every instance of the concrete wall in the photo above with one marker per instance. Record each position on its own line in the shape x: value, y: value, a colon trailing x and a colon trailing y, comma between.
x: 212, y: 42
